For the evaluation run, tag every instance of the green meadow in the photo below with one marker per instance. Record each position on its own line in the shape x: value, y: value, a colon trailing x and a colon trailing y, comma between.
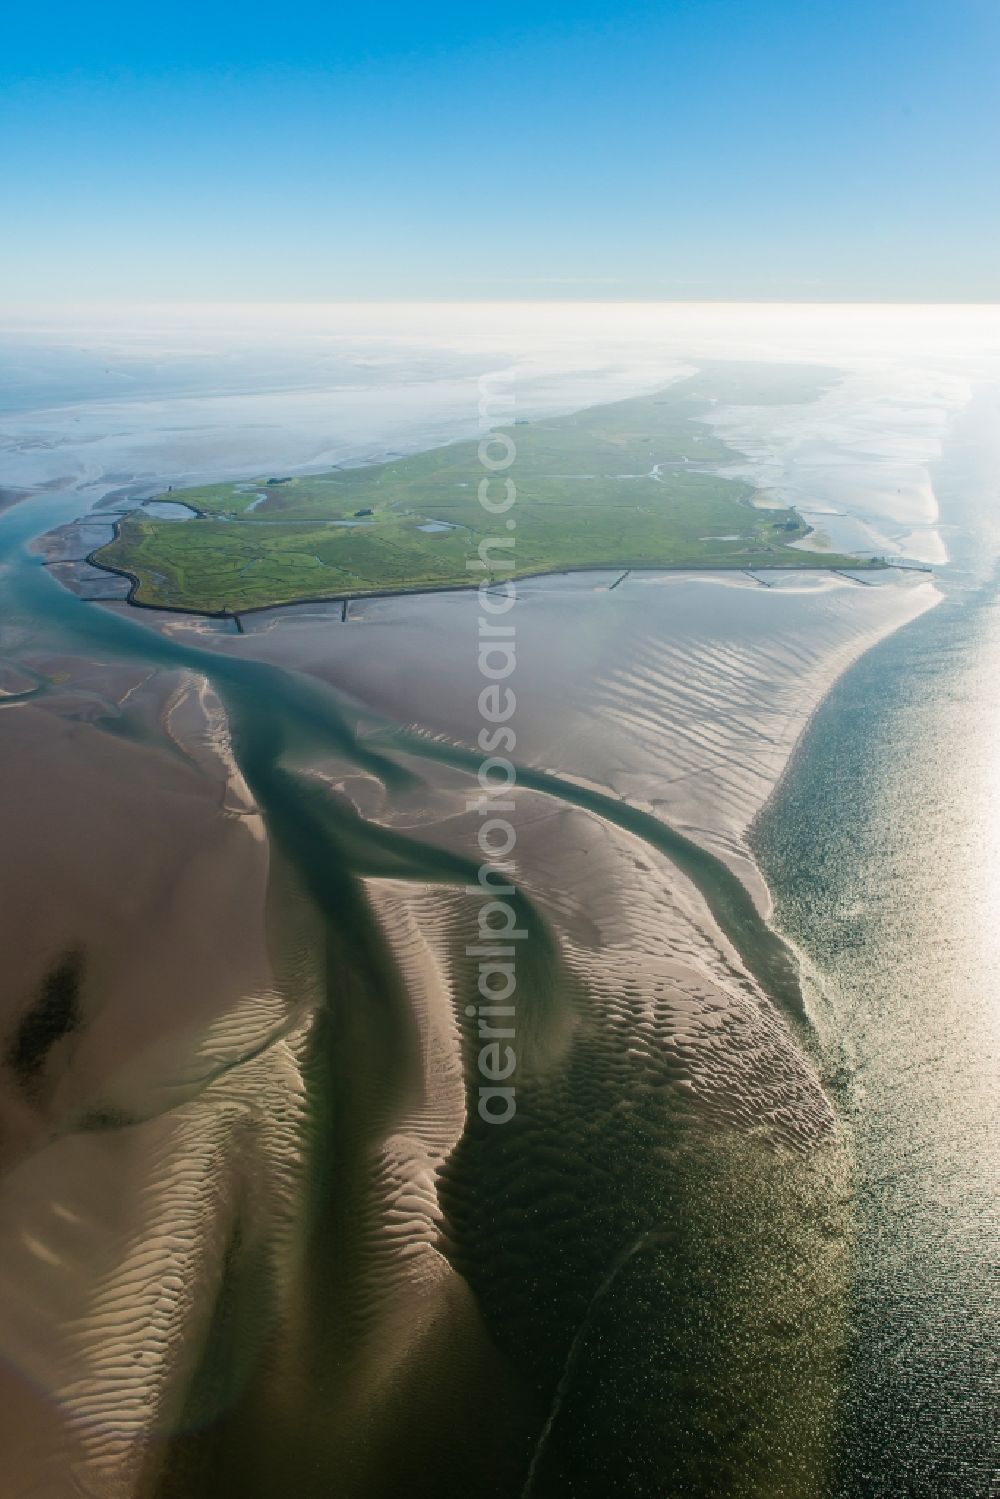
x: 623, y: 485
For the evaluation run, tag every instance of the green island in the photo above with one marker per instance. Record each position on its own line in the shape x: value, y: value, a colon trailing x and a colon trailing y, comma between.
x: 632, y: 484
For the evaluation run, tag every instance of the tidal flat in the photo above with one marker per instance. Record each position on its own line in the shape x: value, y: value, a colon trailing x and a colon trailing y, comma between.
x: 256, y: 1235
x: 247, y: 1171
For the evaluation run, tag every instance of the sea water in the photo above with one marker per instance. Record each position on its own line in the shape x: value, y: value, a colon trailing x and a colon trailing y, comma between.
x: 882, y: 850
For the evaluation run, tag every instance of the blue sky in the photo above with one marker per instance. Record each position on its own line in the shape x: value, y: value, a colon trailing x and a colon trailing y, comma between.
x: 753, y: 149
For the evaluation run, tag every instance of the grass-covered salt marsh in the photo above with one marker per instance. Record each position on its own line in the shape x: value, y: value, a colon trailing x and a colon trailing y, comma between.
x: 633, y: 484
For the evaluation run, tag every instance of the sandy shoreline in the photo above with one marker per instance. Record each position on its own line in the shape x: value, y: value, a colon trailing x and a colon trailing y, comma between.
x: 704, y: 681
